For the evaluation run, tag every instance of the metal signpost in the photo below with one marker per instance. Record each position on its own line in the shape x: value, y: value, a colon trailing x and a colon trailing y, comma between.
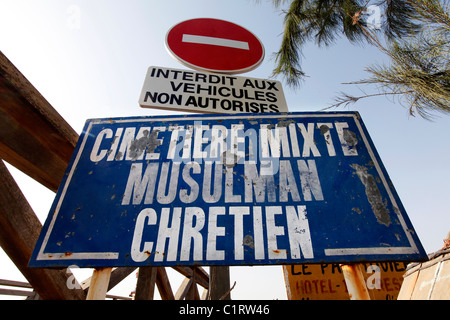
x: 226, y: 190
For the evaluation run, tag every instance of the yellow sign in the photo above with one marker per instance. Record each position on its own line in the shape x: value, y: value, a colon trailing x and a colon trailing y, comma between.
x: 326, y: 282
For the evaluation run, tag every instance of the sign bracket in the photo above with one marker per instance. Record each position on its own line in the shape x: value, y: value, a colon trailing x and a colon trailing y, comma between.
x: 99, y: 284
x: 354, y: 279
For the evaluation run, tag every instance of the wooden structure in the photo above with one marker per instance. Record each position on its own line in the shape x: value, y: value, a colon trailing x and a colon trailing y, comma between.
x: 35, y: 139
x: 429, y: 280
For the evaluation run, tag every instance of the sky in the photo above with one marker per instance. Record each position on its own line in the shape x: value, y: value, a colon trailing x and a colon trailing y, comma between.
x: 89, y: 60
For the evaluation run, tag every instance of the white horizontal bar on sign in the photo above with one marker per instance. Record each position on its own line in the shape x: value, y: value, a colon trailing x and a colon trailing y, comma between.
x: 79, y: 256
x: 215, y: 41
x: 373, y: 251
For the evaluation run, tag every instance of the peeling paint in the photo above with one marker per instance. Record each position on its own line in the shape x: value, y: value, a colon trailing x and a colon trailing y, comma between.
x: 324, y: 129
x: 350, y: 138
x: 229, y: 159
x: 285, y: 122
x: 147, y: 142
x: 248, y: 241
x: 118, y: 156
x: 325, y: 132
x: 373, y: 195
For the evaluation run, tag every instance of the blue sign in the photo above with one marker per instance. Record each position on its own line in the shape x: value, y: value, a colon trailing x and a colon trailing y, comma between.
x: 249, y: 189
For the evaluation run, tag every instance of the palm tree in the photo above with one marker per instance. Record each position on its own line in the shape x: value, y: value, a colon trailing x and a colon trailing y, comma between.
x: 419, y: 70
x: 325, y: 20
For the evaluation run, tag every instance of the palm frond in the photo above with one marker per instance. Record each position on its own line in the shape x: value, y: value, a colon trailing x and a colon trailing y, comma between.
x: 287, y: 59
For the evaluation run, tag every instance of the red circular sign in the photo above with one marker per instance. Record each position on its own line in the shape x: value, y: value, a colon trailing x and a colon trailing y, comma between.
x: 214, y: 45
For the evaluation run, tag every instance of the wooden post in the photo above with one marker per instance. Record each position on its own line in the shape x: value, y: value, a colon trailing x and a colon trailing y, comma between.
x: 34, y: 138
x: 145, y: 287
x: 192, y: 292
x: 99, y: 284
x: 354, y: 279
x: 219, y: 283
x: 163, y: 284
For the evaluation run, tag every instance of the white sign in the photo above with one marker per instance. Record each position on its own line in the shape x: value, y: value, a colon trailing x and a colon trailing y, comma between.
x: 194, y: 91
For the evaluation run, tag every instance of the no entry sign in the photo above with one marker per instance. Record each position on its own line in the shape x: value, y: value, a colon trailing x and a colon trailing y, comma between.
x: 214, y: 45
x: 225, y: 190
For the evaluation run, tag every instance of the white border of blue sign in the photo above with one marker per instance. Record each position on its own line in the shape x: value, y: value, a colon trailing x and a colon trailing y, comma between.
x: 41, y: 258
